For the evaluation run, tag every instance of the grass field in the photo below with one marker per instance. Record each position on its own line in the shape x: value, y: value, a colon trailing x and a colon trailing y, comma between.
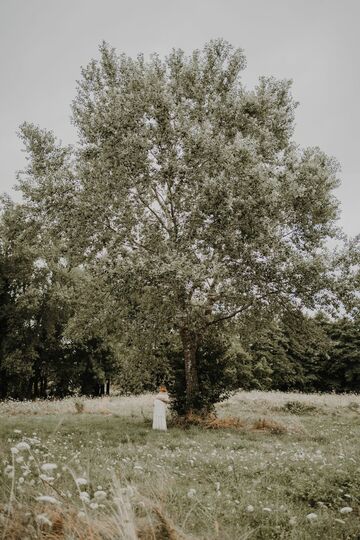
x: 290, y: 470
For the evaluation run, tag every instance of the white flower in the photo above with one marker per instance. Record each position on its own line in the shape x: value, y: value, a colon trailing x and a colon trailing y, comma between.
x: 81, y: 481
x: 81, y: 514
x: 42, y: 519
x: 17, y: 430
x: 230, y: 468
x: 23, y: 446
x: 346, y: 510
x: 21, y: 480
x: 94, y: 505
x: 48, y: 467
x: 47, y: 499
x: 266, y: 509
x: 14, y: 450
x: 311, y: 517
x: 191, y: 493
x: 292, y: 520
x: 250, y: 508
x: 100, y: 495
x: 19, y: 459
x: 85, y: 497
x: 217, y: 486
x: 9, y: 471
x: 46, y: 478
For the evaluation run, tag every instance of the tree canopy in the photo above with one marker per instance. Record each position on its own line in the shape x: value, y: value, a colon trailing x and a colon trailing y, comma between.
x: 186, y: 197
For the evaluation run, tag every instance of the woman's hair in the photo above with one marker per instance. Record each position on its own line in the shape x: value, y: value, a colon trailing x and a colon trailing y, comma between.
x: 162, y: 388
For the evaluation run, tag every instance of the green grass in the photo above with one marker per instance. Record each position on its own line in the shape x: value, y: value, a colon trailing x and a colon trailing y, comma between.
x: 207, y: 484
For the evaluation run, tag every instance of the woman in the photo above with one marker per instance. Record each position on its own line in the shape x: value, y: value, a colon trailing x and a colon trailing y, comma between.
x: 159, y: 416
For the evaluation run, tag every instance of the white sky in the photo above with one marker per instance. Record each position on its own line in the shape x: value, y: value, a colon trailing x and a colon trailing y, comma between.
x: 316, y: 43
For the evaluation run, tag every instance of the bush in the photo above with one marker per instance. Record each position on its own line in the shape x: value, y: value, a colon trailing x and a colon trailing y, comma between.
x: 217, y: 375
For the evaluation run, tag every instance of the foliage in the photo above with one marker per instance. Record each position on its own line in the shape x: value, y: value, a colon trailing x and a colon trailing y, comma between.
x: 217, y: 371
x: 186, y: 204
x: 37, y: 301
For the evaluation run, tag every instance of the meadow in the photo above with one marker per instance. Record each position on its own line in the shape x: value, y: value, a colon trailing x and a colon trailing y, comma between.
x: 274, y: 466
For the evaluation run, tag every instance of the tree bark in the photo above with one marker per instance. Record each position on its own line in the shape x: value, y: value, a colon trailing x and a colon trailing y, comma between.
x: 190, y: 343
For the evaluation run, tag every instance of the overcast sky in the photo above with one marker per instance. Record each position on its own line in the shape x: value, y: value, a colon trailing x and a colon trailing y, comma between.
x: 316, y: 43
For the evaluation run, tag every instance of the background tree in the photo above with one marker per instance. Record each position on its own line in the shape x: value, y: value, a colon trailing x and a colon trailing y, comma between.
x: 187, y: 195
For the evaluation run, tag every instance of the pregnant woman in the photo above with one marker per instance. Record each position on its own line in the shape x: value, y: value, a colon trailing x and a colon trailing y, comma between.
x: 160, y: 402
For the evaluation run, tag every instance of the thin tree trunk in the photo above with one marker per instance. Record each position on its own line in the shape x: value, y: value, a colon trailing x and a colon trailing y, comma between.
x: 190, y: 341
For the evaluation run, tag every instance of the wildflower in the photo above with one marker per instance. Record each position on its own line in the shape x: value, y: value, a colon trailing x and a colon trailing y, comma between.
x: 346, y: 510
x: 81, y: 514
x: 100, y: 495
x: 94, y: 506
x: 19, y: 459
x: 47, y: 499
x: 266, y: 509
x: 23, y: 446
x: 85, y: 497
x: 21, y: 480
x: 9, y: 471
x: 292, y: 520
x: 17, y: 430
x: 42, y: 519
x: 48, y: 467
x: 14, y: 450
x: 311, y: 517
x: 46, y: 478
x: 81, y: 481
x: 191, y: 493
x: 250, y: 508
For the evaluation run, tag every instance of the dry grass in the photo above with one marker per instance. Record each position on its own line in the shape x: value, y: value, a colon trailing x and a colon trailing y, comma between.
x: 140, y: 406
x: 266, y: 424
x: 119, y: 406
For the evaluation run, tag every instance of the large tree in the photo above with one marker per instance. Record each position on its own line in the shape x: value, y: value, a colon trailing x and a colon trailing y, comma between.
x: 186, y: 194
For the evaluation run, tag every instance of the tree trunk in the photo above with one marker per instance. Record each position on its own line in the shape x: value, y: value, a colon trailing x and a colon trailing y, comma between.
x: 108, y: 387
x: 190, y: 342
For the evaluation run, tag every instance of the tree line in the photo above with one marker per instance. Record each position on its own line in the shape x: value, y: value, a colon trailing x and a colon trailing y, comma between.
x: 41, y: 296
x: 182, y: 239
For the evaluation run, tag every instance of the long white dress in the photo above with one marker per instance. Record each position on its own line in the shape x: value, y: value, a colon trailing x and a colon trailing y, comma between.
x: 159, y: 415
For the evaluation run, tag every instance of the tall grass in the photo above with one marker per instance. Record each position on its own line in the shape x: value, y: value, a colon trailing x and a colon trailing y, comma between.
x: 272, y: 466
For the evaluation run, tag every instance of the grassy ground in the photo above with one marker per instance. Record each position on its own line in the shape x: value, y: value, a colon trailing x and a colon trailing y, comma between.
x: 292, y: 471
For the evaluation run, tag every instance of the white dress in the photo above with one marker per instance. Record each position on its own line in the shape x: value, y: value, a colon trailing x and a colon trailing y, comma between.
x: 159, y: 416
